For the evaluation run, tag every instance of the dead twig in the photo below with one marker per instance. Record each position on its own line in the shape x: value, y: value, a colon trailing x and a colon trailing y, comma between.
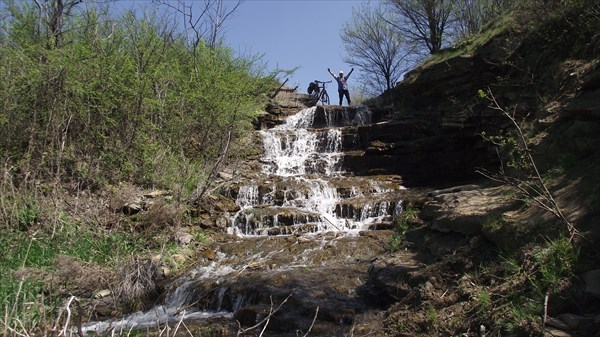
x: 181, y: 323
x: 212, y: 172
x: 546, y: 298
x: 313, y: 322
x: 14, y: 331
x: 63, y: 332
x: 264, y: 320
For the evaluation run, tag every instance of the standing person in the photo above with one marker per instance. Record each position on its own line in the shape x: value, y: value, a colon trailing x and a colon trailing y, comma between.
x: 342, y: 84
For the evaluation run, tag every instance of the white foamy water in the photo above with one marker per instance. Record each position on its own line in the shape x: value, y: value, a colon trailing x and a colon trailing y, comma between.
x: 173, y: 311
x: 293, y: 149
x: 309, y: 157
x: 297, y: 197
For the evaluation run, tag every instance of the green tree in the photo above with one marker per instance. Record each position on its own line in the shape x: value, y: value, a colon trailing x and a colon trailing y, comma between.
x: 126, y: 99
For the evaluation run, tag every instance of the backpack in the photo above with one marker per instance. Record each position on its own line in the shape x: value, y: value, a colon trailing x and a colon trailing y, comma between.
x: 312, y: 87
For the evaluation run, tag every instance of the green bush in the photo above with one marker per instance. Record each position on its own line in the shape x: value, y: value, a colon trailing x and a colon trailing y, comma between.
x: 120, y: 99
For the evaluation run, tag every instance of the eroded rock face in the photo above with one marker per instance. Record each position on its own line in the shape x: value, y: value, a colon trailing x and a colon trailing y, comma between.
x: 579, y: 119
x: 466, y: 209
x: 282, y: 105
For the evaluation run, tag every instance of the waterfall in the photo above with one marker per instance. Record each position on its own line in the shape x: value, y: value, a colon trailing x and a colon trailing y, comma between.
x: 300, y: 193
x: 292, y: 149
x: 302, y: 156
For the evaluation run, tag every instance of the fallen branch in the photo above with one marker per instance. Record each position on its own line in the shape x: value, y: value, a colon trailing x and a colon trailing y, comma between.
x: 63, y: 332
x: 313, y: 322
x: 265, y: 320
x: 279, y: 89
x: 545, y: 318
x: 331, y: 223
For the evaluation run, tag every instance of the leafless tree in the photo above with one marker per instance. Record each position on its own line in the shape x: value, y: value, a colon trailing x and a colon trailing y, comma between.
x: 472, y: 15
x: 532, y: 185
x: 424, y: 22
x: 375, y: 47
x: 204, y: 20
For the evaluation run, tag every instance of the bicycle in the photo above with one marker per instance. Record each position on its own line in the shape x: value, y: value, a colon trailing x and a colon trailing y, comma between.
x: 320, y: 93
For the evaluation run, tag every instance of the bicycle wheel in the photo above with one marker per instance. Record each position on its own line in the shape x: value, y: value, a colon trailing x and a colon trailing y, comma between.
x: 325, y: 98
x: 315, y: 99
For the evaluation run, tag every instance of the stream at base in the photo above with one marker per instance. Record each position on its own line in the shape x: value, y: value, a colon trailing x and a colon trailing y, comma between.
x: 302, y: 237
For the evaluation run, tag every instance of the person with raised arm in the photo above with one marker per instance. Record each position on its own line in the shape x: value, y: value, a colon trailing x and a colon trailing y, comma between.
x: 342, y: 84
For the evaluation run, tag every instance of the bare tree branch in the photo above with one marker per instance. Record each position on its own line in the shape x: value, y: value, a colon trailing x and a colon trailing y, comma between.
x: 313, y: 322
x: 206, y: 22
x: 376, y: 48
x: 423, y: 21
x: 266, y: 319
x: 533, y: 185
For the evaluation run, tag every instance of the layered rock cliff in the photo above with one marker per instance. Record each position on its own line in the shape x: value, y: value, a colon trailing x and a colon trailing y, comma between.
x: 428, y: 130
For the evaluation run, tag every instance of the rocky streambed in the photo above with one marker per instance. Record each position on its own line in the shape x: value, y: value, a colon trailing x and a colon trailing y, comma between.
x: 311, y: 244
x: 301, y: 238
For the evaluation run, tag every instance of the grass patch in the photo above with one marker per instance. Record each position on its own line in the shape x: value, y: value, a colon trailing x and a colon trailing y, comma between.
x: 516, y: 283
x: 468, y: 45
x: 42, y: 249
x: 402, y: 225
x: 35, y: 278
x: 557, y: 260
x: 484, y: 299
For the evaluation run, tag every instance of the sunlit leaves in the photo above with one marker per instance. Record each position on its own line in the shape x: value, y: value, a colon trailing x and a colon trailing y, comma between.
x: 122, y: 96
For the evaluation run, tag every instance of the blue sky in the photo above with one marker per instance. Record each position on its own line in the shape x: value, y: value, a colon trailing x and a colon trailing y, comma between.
x: 289, y: 34
x: 294, y: 33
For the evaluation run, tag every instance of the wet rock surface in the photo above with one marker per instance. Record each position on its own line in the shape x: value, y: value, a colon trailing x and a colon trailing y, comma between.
x: 324, y: 275
x: 332, y: 276
x: 335, y: 282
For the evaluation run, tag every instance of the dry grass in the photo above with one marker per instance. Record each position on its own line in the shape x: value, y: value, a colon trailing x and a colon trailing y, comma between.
x: 138, y: 283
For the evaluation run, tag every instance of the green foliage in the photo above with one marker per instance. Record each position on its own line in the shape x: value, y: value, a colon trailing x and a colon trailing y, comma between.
x: 199, y: 235
x: 27, y: 216
x: 545, y: 268
x: 23, y: 249
x: 106, y: 99
x: 557, y: 260
x: 395, y: 242
x: 511, y: 266
x: 514, y: 323
x: 431, y: 313
x: 510, y: 148
x: 23, y: 252
x: 401, y: 227
x: 125, y: 99
x: 484, y: 300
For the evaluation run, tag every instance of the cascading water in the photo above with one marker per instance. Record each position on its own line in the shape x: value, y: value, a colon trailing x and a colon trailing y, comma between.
x: 303, y: 156
x: 302, y: 189
x: 292, y: 149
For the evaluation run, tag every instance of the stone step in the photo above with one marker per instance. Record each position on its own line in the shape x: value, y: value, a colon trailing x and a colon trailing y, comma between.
x: 286, y: 220
x: 279, y: 191
x: 334, y: 117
